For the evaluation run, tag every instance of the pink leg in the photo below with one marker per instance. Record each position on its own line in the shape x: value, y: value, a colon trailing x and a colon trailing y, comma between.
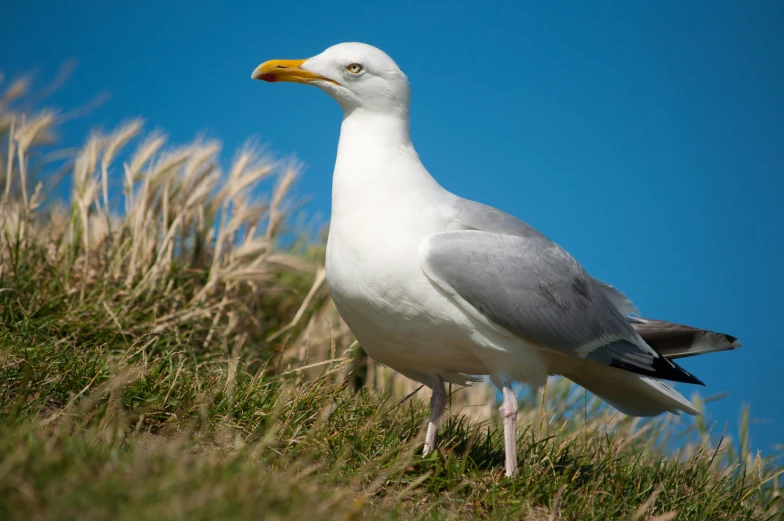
x: 508, y: 412
x: 437, y: 404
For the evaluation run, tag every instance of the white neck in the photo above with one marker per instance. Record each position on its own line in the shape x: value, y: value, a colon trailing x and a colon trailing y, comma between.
x: 374, y: 129
x: 377, y: 166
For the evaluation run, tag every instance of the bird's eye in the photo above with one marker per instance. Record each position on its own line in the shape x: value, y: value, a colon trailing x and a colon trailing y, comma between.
x: 354, y: 68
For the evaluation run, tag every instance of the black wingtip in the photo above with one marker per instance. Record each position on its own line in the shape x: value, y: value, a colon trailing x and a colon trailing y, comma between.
x: 663, y: 369
x: 669, y: 370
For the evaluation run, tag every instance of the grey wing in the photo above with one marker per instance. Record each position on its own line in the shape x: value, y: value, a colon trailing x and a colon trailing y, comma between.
x: 533, y: 288
x: 467, y: 214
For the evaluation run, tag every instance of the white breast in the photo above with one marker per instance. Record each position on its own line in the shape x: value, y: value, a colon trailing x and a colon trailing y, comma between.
x: 382, y: 209
x: 384, y: 203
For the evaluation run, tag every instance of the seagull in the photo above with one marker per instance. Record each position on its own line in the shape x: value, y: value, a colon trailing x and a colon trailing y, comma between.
x: 445, y: 289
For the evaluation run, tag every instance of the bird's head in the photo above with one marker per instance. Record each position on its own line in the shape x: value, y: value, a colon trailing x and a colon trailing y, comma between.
x: 357, y: 75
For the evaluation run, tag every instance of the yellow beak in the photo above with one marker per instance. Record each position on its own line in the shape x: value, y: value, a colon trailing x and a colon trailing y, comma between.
x: 286, y: 70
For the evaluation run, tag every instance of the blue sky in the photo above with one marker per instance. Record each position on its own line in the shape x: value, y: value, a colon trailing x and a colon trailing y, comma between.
x: 647, y: 138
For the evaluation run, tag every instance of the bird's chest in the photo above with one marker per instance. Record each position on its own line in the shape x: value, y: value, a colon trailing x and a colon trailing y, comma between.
x: 374, y: 275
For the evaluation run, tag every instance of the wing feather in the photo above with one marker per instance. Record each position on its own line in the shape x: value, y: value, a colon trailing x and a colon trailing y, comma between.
x: 533, y: 288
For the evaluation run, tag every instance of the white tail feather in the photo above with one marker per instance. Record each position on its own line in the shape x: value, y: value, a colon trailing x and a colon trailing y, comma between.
x: 628, y: 392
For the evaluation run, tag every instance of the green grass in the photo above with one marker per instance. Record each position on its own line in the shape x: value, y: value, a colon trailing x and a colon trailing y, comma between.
x: 173, y: 363
x: 97, y: 425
